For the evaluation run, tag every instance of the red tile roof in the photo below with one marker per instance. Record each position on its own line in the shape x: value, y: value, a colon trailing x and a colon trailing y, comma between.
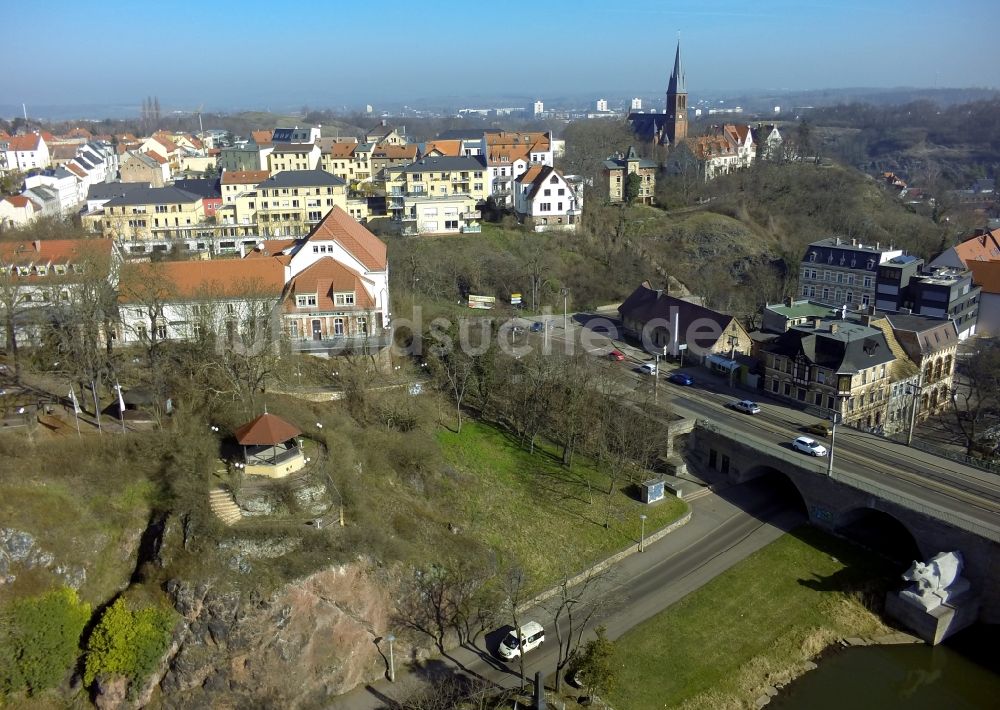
x: 325, y: 278
x: 986, y: 274
x: 262, y: 137
x: 233, y: 278
x: 164, y: 140
x: 18, y: 200
x: 28, y: 141
x: 157, y: 157
x: 356, y: 239
x: 341, y: 150
x: 52, y: 251
x: 444, y: 147
x: 395, y: 152
x: 244, y: 177
x: 266, y: 429
x: 270, y: 247
x: 982, y: 247
x: 76, y: 170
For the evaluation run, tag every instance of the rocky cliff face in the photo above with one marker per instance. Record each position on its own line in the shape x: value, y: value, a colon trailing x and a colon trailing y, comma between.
x: 313, y: 639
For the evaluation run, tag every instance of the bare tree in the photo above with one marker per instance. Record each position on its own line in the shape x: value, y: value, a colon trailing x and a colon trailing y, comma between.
x: 145, y: 290
x: 16, y: 296
x: 515, y: 593
x: 573, y: 607
x: 976, y: 396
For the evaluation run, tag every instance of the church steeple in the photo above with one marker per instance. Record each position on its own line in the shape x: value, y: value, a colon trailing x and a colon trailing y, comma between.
x: 676, y: 127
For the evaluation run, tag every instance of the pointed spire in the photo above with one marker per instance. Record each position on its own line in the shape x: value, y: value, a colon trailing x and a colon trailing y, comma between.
x: 677, y: 83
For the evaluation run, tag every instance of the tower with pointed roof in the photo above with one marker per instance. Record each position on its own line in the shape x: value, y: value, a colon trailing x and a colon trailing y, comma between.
x: 676, y: 127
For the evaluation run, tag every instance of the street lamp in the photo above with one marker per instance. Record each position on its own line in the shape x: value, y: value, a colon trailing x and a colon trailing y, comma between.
x: 642, y: 531
x: 914, y: 389
x: 836, y: 416
x: 733, y: 339
x: 392, y: 666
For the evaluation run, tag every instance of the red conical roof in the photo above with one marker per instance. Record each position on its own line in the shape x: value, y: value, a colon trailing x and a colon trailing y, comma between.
x: 266, y: 429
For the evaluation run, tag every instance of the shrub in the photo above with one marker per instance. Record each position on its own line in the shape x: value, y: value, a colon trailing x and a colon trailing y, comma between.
x: 39, y: 640
x: 128, y: 643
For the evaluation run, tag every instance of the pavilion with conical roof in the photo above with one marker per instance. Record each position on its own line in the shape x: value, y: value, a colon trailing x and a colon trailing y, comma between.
x: 270, y: 447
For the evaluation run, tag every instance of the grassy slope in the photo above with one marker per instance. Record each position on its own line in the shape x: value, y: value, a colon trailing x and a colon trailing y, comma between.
x: 537, y: 511
x: 747, y: 628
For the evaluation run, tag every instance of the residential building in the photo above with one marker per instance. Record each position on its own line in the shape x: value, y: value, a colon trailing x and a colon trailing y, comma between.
x: 986, y: 276
x: 293, y: 156
x: 23, y: 153
x: 834, y: 366
x: 385, y: 134
x: 770, y: 143
x: 779, y: 317
x: 421, y: 213
x: 348, y: 160
x: 984, y: 245
x: 618, y: 167
x: 17, y: 211
x: 208, y: 189
x: 932, y: 344
x: 45, y: 275
x: 728, y: 149
x: 234, y: 300
x: 248, y: 157
x: 162, y: 145
x: 387, y: 155
x: 337, y: 293
x: 904, y: 284
x: 236, y: 182
x: 839, y: 273
x: 543, y: 195
x: 437, y: 177
x: 46, y: 199
x: 65, y: 184
x: 291, y: 202
x: 149, y: 167
x: 664, y: 324
x: 509, y: 154
x: 155, y: 213
x: 306, y: 134
x: 98, y: 194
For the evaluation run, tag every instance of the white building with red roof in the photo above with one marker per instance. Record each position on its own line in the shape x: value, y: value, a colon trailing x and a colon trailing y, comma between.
x: 548, y: 199
x: 24, y: 152
x: 17, y: 211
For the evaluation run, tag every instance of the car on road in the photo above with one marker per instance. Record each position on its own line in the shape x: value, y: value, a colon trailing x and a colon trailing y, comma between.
x: 681, y: 378
x: 530, y: 636
x: 536, y: 327
x: 818, y: 429
x: 809, y: 446
x: 648, y: 368
x: 746, y: 406
x: 616, y: 355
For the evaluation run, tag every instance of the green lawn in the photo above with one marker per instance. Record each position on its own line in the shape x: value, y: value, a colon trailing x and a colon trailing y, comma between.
x: 536, y: 509
x: 749, y: 627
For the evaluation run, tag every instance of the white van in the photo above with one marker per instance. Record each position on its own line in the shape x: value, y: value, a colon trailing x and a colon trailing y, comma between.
x: 532, y: 635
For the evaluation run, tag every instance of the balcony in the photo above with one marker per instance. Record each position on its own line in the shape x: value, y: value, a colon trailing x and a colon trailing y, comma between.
x: 344, y: 344
x: 470, y: 216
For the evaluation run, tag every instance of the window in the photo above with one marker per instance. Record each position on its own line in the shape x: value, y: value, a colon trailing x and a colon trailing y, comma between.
x: 338, y: 326
x: 451, y: 224
x: 362, y: 325
x: 161, y: 331
x: 548, y: 192
x: 545, y: 207
x: 868, y: 282
x: 305, y: 301
x: 563, y: 191
x: 343, y: 299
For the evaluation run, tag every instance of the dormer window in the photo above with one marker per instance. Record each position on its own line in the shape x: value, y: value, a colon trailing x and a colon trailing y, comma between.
x: 42, y: 270
x: 60, y: 269
x: 343, y: 299
x: 305, y: 301
x: 812, y: 256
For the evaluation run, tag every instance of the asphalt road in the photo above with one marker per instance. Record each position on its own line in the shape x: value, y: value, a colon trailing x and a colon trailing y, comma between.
x: 723, y: 530
x: 958, y: 492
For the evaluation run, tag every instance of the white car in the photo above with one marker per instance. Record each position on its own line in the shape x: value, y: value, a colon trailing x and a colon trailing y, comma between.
x: 531, y: 635
x: 648, y: 368
x: 809, y: 446
x: 746, y: 406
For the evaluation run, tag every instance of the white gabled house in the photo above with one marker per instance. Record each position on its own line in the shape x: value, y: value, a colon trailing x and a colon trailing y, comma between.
x: 545, y: 196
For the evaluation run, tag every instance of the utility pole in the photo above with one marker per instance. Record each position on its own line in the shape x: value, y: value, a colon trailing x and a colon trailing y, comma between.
x: 915, y: 391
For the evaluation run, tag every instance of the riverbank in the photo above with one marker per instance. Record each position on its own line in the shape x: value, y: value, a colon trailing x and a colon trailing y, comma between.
x: 755, y: 627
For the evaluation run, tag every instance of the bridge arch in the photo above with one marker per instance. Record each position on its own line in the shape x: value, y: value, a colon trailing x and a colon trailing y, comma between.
x: 880, y: 532
x: 778, y: 486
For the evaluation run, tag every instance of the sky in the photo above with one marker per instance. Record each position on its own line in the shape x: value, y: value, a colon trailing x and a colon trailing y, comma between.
x: 330, y: 53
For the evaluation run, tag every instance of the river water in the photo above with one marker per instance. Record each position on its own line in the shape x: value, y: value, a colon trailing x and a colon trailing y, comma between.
x: 963, y: 674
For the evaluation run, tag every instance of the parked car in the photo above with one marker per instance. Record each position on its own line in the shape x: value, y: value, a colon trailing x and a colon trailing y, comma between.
x: 536, y: 327
x: 616, y: 355
x: 809, y: 446
x: 530, y: 636
x: 682, y: 379
x: 819, y: 429
x: 746, y: 406
x: 648, y: 368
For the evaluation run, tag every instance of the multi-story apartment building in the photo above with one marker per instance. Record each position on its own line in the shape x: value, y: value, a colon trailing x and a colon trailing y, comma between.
x: 293, y: 156
x: 509, y: 154
x: 904, y: 284
x: 835, y: 365
x: 932, y: 344
x: 838, y: 273
x: 438, y: 177
x: 386, y: 155
x: 348, y: 160
x: 289, y: 203
x: 543, y: 195
x: 237, y: 182
x: 150, y: 213
x: 618, y: 167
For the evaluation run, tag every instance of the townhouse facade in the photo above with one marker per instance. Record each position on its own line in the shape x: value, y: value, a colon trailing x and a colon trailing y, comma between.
x: 293, y: 156
x: 29, y: 151
x: 150, y: 168
x: 838, y: 272
x: 291, y: 202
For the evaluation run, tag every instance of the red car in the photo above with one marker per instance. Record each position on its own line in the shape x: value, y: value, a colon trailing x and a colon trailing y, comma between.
x: 616, y: 355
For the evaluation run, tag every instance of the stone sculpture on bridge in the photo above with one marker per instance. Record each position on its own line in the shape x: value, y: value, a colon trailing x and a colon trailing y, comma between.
x: 936, y: 581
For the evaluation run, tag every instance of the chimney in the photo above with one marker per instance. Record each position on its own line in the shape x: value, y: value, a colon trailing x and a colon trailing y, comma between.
x: 854, y: 241
x: 37, y: 244
x: 817, y: 322
x: 833, y: 328
x: 878, y: 245
x: 838, y: 241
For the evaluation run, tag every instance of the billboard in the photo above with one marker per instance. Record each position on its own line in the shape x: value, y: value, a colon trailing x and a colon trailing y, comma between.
x: 481, y: 301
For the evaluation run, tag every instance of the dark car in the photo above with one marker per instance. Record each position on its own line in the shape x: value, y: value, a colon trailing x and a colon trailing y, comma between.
x: 680, y: 378
x: 818, y: 429
x: 536, y: 327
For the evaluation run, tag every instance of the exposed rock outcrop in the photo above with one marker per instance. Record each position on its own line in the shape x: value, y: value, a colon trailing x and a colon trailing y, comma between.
x: 312, y: 639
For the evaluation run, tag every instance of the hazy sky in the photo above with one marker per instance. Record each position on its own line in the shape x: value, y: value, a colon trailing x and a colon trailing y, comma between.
x: 332, y: 53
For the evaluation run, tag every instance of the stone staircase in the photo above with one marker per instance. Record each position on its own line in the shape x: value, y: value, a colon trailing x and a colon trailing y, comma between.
x: 222, y: 504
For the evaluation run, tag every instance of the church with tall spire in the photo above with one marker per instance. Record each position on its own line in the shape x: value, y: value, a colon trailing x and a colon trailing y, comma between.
x: 670, y: 127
